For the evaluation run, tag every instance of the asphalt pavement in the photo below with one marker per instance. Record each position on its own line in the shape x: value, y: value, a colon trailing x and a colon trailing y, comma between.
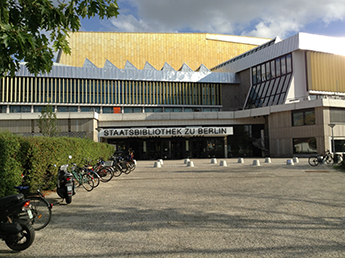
x: 238, y: 210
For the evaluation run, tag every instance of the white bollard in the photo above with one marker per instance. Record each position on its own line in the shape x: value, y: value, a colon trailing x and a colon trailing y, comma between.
x: 268, y: 160
x: 289, y: 162
x: 190, y: 164
x: 186, y: 161
x: 295, y: 160
x: 223, y: 163
x: 157, y: 164
x: 135, y: 161
x: 214, y: 161
x: 240, y: 160
x: 160, y: 161
x: 256, y: 162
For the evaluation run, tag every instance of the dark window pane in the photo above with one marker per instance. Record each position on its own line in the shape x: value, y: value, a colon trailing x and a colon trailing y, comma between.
x: 288, y: 64
x: 26, y: 109
x: 38, y: 109
x: 283, y: 65
x: 3, y: 109
x: 273, y: 69
x: 276, y: 83
x: 281, y: 83
x: 263, y: 73
x: 15, y: 109
x: 268, y: 71
x: 107, y: 110
x: 258, y: 72
x: 62, y: 109
x: 264, y: 92
x: 282, y: 98
x: 276, y: 99
x: 309, y: 117
x: 297, y: 119
x: 254, y: 75
x: 304, y: 145
x: 278, y: 67
x: 286, y: 83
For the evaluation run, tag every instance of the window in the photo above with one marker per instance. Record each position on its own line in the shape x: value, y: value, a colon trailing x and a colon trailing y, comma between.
x: 3, y: 109
x: 153, y: 110
x: 306, y: 117
x: 15, y: 109
x: 89, y: 109
x: 270, y: 82
x: 38, y: 109
x: 304, y: 145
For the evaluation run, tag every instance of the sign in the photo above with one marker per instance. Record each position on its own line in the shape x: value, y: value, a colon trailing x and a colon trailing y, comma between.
x: 165, y: 132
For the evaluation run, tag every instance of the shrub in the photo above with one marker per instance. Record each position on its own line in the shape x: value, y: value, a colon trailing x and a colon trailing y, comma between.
x: 35, y: 158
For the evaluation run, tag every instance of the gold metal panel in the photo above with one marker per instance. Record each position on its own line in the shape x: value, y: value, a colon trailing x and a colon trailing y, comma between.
x: 193, y: 49
x: 326, y: 72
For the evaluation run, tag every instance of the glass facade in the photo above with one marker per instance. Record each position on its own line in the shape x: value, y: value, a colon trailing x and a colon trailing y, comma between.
x: 270, y: 81
x: 98, y: 91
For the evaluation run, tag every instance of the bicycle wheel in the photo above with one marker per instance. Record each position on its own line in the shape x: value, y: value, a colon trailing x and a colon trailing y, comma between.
x: 117, y: 172
x: 313, y: 161
x: 133, y: 165
x: 106, y: 174
x: 41, y: 212
x: 96, y: 179
x: 87, y: 182
x: 128, y: 168
x: 329, y: 160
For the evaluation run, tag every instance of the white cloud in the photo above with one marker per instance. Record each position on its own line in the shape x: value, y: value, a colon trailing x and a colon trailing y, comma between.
x: 265, y: 18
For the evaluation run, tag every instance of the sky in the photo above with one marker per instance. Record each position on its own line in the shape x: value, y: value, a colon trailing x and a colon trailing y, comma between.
x: 256, y: 18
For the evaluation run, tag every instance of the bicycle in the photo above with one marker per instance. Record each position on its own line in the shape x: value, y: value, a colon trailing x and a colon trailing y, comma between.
x: 89, y: 169
x: 41, y: 209
x: 82, y: 178
x: 104, y: 171
x: 326, y: 158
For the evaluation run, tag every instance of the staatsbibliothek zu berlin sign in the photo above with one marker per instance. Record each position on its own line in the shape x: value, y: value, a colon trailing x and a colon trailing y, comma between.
x: 165, y: 132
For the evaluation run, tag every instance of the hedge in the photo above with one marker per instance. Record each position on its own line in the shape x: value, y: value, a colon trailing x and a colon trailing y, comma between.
x: 34, y: 157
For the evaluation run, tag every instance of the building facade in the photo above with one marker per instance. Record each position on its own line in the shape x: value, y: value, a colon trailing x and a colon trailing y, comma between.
x: 278, y: 98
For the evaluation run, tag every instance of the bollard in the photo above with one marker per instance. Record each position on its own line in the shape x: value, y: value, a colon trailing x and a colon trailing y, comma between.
x: 160, y: 161
x: 268, y: 160
x: 135, y: 161
x: 186, y: 161
x: 157, y: 164
x: 289, y: 162
x: 223, y: 163
x: 295, y: 160
x: 240, y: 160
x: 190, y: 164
x: 256, y: 162
x: 214, y: 161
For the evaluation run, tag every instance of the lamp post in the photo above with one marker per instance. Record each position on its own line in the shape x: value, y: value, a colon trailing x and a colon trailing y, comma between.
x: 333, y: 146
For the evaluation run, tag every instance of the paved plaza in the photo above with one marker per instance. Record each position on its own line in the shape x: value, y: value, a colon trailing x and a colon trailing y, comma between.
x: 238, y: 210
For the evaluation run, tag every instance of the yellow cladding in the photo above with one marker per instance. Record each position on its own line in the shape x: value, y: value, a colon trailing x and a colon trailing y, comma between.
x: 193, y: 49
x: 326, y: 72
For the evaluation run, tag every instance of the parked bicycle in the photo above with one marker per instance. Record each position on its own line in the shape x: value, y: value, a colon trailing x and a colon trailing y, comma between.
x: 82, y: 178
x: 88, y: 168
x: 41, y: 209
x: 326, y: 158
x: 102, y: 168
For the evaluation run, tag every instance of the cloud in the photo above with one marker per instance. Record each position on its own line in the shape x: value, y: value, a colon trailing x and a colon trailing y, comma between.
x: 265, y: 18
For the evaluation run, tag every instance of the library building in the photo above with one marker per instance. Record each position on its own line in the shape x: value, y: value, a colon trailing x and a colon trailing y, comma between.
x: 189, y: 95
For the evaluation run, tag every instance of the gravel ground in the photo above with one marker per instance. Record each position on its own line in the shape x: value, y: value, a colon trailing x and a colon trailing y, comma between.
x: 238, y: 210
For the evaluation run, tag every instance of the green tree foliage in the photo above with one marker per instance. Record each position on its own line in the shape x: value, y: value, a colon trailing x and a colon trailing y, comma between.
x: 31, y: 30
x: 48, y: 122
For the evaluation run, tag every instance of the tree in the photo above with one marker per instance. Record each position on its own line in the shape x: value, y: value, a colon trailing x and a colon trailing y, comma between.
x: 31, y: 30
x: 48, y: 122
